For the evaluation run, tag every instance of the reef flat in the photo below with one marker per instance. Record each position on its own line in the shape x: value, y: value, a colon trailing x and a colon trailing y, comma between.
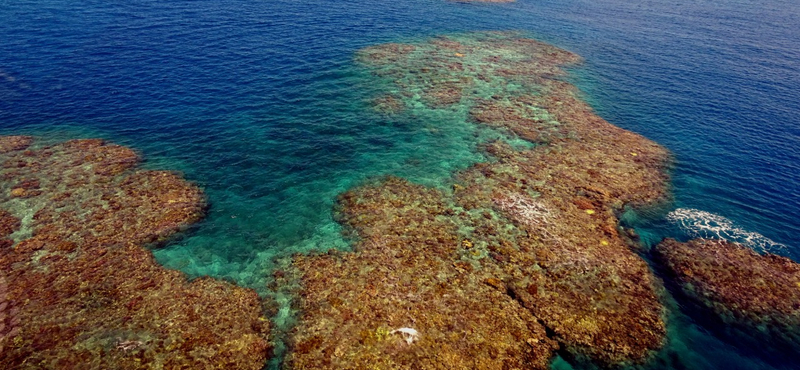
x: 756, y: 292
x: 521, y: 257
x: 406, y: 274
x: 79, y: 289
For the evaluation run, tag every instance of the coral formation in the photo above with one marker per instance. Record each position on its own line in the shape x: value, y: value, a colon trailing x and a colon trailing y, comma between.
x: 524, y: 252
x: 388, y: 104
x: 79, y: 290
x: 759, y: 292
x: 14, y: 143
x: 407, y: 274
x: 9, y: 322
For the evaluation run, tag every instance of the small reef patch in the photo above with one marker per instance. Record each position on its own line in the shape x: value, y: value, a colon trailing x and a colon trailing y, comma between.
x: 522, y: 256
x: 759, y: 294
x: 78, y: 288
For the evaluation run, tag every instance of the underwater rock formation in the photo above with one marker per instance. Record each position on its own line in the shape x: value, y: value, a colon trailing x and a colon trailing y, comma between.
x: 78, y: 287
x: 760, y: 292
x: 522, y: 253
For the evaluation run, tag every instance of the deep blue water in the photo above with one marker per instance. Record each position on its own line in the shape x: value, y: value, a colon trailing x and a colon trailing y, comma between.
x: 260, y: 103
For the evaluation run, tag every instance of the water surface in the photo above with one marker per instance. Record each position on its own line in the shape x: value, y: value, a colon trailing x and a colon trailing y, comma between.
x: 261, y: 103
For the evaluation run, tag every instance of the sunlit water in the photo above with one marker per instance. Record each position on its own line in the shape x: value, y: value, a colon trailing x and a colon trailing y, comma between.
x: 262, y: 104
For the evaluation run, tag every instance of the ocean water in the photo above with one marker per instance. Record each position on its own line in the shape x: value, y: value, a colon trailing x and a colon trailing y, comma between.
x: 262, y: 104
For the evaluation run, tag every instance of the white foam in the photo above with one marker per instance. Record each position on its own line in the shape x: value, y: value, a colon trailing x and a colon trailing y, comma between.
x: 702, y: 224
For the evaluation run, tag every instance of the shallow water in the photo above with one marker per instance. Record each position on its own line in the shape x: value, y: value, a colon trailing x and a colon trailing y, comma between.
x: 263, y: 105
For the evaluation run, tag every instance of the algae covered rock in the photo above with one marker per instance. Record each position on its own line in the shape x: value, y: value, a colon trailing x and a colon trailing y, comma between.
x: 78, y: 288
x: 759, y: 292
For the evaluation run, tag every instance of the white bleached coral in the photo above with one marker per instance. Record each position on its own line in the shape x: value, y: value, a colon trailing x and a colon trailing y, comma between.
x: 409, y: 335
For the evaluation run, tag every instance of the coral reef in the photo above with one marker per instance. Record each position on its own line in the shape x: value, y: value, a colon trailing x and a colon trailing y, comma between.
x: 759, y: 292
x: 78, y: 288
x: 388, y: 104
x: 406, y: 274
x: 8, y: 224
x: 14, y: 143
x: 524, y: 251
x: 9, y: 322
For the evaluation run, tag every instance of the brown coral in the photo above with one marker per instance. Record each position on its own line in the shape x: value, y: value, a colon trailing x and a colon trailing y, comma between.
x: 79, y: 289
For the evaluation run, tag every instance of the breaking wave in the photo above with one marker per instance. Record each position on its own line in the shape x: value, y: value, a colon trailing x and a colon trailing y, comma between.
x: 702, y: 224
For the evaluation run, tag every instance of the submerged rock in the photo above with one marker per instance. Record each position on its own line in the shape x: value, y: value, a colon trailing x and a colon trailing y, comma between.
x: 78, y: 288
x: 522, y: 254
x: 388, y: 104
x: 760, y: 292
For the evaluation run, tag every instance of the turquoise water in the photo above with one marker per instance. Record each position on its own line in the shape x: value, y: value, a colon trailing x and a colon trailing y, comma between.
x: 262, y: 104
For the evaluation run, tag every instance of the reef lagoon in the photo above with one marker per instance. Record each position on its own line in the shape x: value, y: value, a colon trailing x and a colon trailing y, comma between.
x: 426, y: 184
